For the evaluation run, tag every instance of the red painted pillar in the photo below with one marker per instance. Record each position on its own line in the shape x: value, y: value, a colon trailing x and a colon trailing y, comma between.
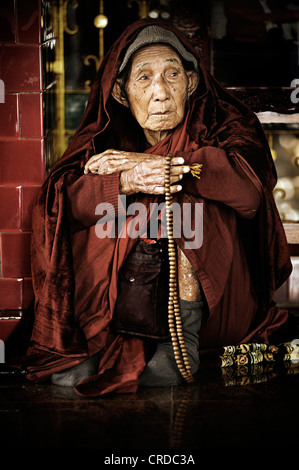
x: 22, y: 163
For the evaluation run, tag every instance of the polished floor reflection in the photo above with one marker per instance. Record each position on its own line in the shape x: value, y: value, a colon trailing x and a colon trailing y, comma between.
x: 254, y: 406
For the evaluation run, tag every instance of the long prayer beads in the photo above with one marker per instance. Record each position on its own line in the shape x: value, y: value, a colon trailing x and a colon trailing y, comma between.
x: 174, y: 316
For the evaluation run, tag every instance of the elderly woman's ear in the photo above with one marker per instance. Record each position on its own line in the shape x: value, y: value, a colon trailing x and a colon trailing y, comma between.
x: 118, y: 94
x: 193, y: 79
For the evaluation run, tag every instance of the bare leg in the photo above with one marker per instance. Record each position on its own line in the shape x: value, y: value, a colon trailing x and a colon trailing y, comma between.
x: 189, y: 286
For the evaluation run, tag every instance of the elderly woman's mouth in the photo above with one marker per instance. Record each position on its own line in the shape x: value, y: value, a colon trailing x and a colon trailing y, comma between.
x: 162, y: 113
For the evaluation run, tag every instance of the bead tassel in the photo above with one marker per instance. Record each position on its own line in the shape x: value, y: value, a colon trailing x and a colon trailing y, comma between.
x: 196, y: 169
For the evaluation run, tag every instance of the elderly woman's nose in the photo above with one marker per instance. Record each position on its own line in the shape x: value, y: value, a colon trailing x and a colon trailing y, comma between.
x: 160, y: 88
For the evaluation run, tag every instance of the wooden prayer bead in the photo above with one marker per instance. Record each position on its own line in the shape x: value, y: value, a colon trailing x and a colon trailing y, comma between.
x: 174, y: 319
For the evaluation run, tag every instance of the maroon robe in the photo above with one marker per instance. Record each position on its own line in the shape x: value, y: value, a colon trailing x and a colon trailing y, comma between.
x: 242, y: 261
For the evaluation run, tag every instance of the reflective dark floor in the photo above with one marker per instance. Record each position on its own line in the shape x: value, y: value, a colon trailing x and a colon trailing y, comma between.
x: 246, y: 407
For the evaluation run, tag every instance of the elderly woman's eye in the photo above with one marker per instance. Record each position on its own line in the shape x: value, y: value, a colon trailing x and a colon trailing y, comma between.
x: 144, y: 77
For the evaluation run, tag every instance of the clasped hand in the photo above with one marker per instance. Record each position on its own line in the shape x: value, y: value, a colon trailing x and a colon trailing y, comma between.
x: 139, y: 172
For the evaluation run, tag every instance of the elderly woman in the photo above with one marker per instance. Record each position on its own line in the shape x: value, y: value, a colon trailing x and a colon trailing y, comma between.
x: 151, y: 98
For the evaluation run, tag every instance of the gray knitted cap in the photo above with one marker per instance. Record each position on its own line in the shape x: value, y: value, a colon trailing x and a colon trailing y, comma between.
x: 154, y: 35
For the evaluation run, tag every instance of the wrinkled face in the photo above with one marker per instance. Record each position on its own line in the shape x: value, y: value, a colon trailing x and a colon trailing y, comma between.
x: 158, y: 88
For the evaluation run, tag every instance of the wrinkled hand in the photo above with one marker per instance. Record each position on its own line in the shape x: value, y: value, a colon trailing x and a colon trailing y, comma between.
x: 112, y: 161
x: 140, y: 172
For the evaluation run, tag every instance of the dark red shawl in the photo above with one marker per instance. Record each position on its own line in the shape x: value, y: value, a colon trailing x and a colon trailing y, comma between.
x: 72, y: 315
